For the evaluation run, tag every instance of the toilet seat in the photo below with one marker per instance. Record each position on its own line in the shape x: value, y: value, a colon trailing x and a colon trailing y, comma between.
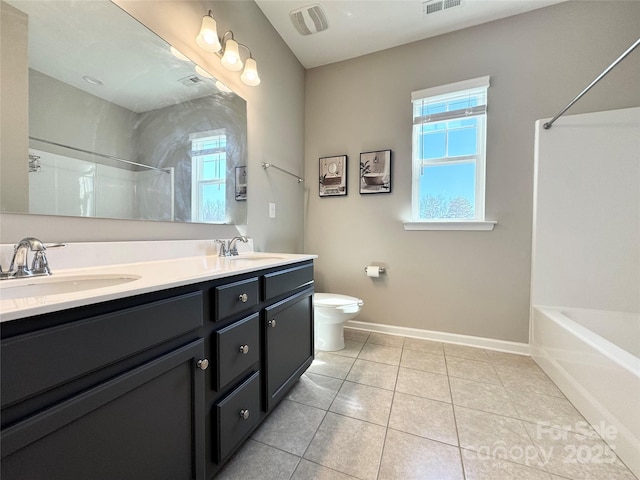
x: 334, y: 300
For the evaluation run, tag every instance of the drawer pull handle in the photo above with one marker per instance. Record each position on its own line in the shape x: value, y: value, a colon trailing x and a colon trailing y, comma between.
x: 244, y: 349
x: 244, y: 414
x: 272, y: 323
x: 243, y: 297
x: 203, y: 364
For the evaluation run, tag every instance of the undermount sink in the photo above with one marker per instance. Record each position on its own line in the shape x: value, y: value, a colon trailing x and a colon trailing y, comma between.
x: 256, y: 257
x: 42, y: 286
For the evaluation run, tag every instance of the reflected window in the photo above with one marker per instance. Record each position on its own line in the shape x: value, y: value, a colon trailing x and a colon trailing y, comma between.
x: 209, y: 176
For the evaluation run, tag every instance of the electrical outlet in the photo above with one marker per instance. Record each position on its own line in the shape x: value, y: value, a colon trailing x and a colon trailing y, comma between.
x: 272, y: 210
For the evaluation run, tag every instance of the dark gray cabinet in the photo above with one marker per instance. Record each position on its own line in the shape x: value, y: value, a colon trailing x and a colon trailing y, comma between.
x: 144, y: 424
x: 288, y: 344
x: 165, y: 385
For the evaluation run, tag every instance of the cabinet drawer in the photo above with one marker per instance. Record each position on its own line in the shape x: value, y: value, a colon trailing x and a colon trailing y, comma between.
x: 285, y: 281
x: 233, y: 427
x: 236, y: 297
x: 237, y: 347
x: 35, y: 362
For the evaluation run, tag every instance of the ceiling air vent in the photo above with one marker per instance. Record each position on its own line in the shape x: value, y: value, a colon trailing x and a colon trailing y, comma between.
x: 310, y: 19
x: 191, y: 80
x: 433, y: 6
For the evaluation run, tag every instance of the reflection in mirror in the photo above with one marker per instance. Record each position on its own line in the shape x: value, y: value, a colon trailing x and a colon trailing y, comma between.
x: 118, y: 126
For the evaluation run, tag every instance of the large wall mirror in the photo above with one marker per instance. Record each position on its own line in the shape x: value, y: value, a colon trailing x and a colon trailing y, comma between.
x: 120, y: 125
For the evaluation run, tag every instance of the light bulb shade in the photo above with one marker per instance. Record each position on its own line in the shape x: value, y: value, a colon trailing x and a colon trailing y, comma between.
x: 207, y: 39
x: 231, y: 58
x: 250, y: 74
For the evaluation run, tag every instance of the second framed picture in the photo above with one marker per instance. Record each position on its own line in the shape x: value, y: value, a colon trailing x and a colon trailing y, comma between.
x: 333, y: 176
x: 375, y: 172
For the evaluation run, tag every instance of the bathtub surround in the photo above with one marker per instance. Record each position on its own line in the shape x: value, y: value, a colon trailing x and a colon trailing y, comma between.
x: 460, y: 282
x: 585, y: 321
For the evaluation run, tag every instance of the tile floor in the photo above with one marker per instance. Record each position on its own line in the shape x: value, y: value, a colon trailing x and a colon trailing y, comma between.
x: 391, y: 408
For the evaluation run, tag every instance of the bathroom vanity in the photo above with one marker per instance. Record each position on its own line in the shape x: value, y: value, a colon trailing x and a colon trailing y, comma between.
x: 154, y: 382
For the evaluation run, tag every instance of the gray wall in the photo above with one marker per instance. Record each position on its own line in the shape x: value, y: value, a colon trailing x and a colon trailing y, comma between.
x: 473, y: 283
x: 275, y: 111
x: 14, y: 118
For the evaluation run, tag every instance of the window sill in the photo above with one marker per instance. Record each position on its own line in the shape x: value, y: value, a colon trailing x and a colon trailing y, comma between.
x: 486, y: 225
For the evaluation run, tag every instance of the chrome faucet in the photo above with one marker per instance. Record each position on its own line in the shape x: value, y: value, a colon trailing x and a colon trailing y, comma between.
x: 20, y: 262
x: 233, y: 249
x: 228, y: 248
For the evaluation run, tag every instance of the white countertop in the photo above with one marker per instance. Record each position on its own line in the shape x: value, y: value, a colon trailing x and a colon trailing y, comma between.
x: 153, y: 276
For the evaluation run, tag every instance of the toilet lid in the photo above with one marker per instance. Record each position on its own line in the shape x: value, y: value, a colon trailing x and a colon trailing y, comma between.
x: 334, y: 300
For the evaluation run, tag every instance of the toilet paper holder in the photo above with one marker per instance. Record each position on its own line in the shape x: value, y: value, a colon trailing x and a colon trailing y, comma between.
x: 381, y: 270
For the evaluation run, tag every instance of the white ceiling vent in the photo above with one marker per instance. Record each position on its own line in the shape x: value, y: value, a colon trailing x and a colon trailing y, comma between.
x: 310, y: 19
x: 190, y: 80
x: 433, y: 6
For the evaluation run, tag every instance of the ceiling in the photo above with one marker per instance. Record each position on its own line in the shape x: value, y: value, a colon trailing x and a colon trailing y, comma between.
x: 359, y: 27
x: 71, y: 39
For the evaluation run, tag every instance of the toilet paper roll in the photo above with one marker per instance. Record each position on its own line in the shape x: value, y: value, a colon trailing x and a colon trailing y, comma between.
x: 373, y: 271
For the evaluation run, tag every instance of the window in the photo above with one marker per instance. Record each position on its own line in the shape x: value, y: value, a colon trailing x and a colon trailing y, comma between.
x: 449, y: 133
x: 208, y: 176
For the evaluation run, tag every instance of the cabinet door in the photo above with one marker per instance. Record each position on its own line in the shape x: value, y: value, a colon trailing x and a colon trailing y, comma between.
x: 147, y: 423
x: 289, y: 344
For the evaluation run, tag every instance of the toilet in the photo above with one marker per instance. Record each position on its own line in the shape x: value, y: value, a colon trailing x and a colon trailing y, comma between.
x: 331, y: 311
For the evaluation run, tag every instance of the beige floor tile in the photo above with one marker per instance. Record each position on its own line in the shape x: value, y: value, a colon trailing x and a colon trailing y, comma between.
x: 351, y: 349
x: 472, y: 370
x: 493, y: 435
x: 257, y: 461
x: 387, y: 340
x: 423, y: 384
x: 481, y: 396
x: 381, y: 354
x: 511, y: 360
x: 482, y: 467
x: 331, y: 365
x: 409, y: 457
x: 312, y: 471
x: 472, y: 353
x: 419, y: 360
x: 550, y: 411
x: 356, y: 335
x: 315, y: 390
x: 523, y: 380
x: 424, y: 345
x: 578, y: 456
x: 290, y: 427
x: 373, y: 374
x: 423, y: 417
x: 363, y: 402
x: 348, y: 445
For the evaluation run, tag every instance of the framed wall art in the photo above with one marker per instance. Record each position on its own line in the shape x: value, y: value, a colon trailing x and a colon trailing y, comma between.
x: 333, y: 176
x: 375, y: 172
x: 241, y: 183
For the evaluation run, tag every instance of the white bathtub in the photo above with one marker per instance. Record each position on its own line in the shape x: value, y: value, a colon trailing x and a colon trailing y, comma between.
x: 593, y: 357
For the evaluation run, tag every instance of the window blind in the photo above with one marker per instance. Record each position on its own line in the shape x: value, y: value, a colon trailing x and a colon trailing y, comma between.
x: 452, y: 101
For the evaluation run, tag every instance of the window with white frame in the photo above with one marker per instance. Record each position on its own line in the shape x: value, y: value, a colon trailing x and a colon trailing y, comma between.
x: 208, y: 176
x: 449, y: 136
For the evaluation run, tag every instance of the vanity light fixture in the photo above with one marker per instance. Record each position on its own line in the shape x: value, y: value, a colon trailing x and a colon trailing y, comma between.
x: 228, y: 49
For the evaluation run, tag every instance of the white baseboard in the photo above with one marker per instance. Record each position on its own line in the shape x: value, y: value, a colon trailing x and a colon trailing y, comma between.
x: 468, y: 340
